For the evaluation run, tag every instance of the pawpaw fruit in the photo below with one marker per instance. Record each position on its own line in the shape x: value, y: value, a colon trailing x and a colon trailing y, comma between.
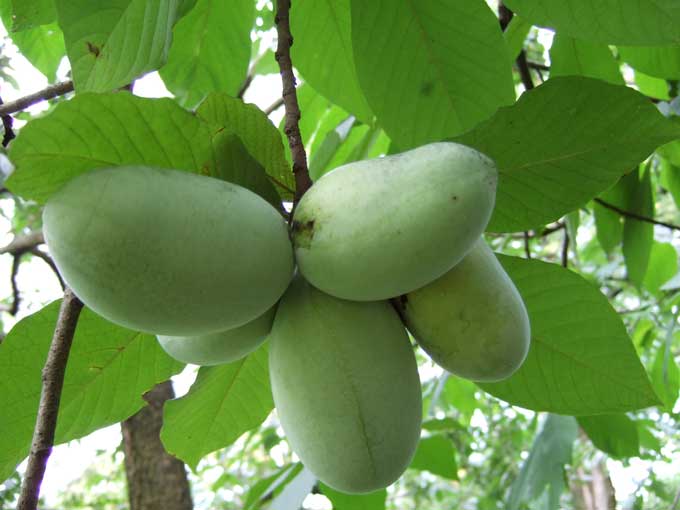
x: 168, y: 252
x: 380, y: 228
x: 471, y: 321
x: 221, y: 347
x: 346, y: 387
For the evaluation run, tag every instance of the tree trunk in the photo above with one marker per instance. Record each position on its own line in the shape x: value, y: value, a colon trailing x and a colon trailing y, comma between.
x: 156, y: 480
x: 594, y: 490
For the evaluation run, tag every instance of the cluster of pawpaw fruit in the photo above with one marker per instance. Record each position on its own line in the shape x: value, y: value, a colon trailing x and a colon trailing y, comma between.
x: 209, y: 267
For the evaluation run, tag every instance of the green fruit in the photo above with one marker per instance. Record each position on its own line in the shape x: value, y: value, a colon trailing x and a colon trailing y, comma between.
x: 222, y: 347
x: 346, y: 388
x: 168, y: 252
x: 471, y: 321
x: 377, y: 229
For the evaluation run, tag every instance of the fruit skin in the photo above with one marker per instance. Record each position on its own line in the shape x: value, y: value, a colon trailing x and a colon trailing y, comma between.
x: 346, y: 388
x: 168, y: 252
x: 471, y: 321
x: 221, y: 347
x: 380, y: 228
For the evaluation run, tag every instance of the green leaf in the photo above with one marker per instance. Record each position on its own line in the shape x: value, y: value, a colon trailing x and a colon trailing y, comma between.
x: 670, y: 177
x: 210, y: 50
x: 663, y: 265
x: 544, y: 468
x: 638, y: 236
x: 255, y: 130
x: 430, y: 69
x: 109, y: 48
x: 30, y: 14
x: 607, y: 21
x: 562, y: 144
x: 609, y: 223
x: 460, y: 393
x: 265, y: 488
x: 614, y: 434
x: 312, y: 21
x: 662, y: 62
x: 224, y: 402
x: 581, y: 360
x: 652, y: 87
x: 666, y: 375
x: 569, y: 56
x: 341, y: 501
x: 102, y: 130
x: 437, y: 455
x: 108, y: 371
x: 515, y: 34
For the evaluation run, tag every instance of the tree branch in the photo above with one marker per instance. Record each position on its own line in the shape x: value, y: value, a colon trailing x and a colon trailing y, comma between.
x: 524, y: 71
x: 48, y: 260
x: 636, y: 216
x: 52, y: 383
x: 22, y: 244
x: 274, y: 106
x: 565, y: 248
x: 50, y: 92
x: 244, y: 86
x: 527, y: 245
x: 292, y: 129
x: 7, y: 124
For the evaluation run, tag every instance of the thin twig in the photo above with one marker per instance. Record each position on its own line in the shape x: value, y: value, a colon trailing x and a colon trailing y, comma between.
x: 42, y: 95
x: 636, y: 216
x: 245, y: 85
x: 16, y: 262
x: 7, y: 124
x: 274, y: 106
x: 538, y: 66
x: 292, y: 129
x: 280, y: 184
x: 48, y: 409
x: 524, y: 71
x: 565, y: 248
x: 48, y: 260
x: 24, y: 243
x: 527, y: 246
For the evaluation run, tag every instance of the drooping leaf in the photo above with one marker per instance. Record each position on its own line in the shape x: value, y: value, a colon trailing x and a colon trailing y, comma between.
x: 562, y: 144
x: 569, y: 56
x: 94, y: 131
x: 112, y: 43
x: 223, y: 403
x: 210, y: 50
x: 666, y: 375
x: 266, y: 488
x: 543, y: 471
x: 295, y: 491
x: 581, y: 360
x: 614, y: 434
x: 30, y: 14
x: 638, y: 236
x: 663, y: 265
x: 607, y: 21
x: 430, y: 69
x: 659, y: 61
x: 437, y: 455
x: 341, y: 501
x: 108, y: 371
x: 328, y: 21
x: 258, y: 134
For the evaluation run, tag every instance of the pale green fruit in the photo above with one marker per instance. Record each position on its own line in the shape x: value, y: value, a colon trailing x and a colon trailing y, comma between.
x: 168, y: 252
x: 471, y: 321
x: 221, y: 347
x: 380, y: 228
x: 346, y: 387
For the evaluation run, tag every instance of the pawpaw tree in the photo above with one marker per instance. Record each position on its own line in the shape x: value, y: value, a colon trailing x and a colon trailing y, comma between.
x: 574, y: 102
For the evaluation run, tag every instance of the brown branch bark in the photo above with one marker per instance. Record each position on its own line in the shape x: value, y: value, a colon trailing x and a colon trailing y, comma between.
x: 22, y: 244
x: 48, y: 409
x: 636, y: 216
x: 292, y: 129
x: 50, y: 92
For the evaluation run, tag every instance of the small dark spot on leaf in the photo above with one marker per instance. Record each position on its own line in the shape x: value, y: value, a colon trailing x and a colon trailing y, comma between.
x: 426, y: 88
x: 454, y: 197
x: 95, y: 50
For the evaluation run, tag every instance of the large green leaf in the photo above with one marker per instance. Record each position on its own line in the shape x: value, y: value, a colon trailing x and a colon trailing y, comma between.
x: 100, y: 130
x: 581, y: 360
x: 632, y: 22
x: 569, y: 56
x: 562, y: 144
x: 223, y: 403
x: 341, y: 501
x: 33, y: 13
x: 108, y: 371
x: 542, y: 474
x: 437, y: 455
x: 329, y: 21
x: 254, y: 128
x: 662, y: 62
x: 430, y: 69
x: 663, y: 265
x: 615, y: 434
x: 110, y: 43
x: 210, y: 50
